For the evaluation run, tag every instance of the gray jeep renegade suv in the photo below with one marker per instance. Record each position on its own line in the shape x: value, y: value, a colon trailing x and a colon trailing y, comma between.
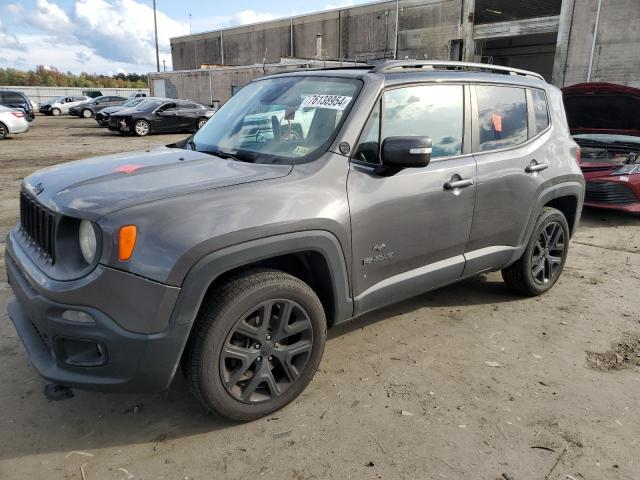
x: 309, y: 198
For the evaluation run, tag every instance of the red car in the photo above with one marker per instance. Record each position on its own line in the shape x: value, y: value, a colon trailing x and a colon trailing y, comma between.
x: 604, y: 120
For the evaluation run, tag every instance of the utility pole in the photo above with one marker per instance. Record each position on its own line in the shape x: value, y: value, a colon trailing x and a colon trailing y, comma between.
x: 164, y: 64
x: 155, y: 28
x: 190, y: 29
x: 395, y: 48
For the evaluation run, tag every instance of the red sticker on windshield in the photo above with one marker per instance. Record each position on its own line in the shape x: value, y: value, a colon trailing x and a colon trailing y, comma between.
x: 497, y: 122
x: 127, y: 168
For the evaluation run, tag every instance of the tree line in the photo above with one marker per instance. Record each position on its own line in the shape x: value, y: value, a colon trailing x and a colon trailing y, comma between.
x: 51, y: 77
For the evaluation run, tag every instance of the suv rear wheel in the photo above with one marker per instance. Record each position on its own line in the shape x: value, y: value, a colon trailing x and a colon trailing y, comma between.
x: 541, y: 264
x: 256, y: 344
x: 3, y: 131
x: 86, y: 113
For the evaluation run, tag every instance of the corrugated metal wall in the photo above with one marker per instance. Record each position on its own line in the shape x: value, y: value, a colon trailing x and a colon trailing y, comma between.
x: 41, y: 94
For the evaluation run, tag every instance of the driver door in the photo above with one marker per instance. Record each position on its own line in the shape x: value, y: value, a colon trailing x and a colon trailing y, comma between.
x: 409, y: 231
x: 165, y: 118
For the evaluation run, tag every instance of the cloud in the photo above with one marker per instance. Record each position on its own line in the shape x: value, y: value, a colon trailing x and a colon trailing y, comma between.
x: 45, y: 16
x: 249, y: 16
x: 82, y: 56
x: 14, y: 8
x: 10, y: 41
x: 116, y: 31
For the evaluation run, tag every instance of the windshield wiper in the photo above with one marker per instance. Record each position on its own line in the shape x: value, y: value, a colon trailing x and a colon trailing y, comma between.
x: 233, y: 156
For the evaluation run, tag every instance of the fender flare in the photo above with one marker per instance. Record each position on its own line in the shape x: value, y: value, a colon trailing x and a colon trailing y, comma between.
x: 575, y: 189
x: 210, y: 267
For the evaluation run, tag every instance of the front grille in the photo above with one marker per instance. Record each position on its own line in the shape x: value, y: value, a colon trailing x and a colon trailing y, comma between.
x: 39, y: 224
x: 609, y: 192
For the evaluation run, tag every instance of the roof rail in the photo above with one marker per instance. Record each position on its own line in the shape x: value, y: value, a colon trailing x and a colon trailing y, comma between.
x: 450, y: 65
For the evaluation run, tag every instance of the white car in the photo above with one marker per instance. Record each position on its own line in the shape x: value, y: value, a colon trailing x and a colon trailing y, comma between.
x: 59, y: 105
x: 12, y: 121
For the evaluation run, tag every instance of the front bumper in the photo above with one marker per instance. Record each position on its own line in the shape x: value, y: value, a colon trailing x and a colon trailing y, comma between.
x: 95, y: 356
x: 620, y: 193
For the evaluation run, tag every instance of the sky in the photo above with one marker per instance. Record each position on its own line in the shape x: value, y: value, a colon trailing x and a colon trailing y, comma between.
x: 112, y: 36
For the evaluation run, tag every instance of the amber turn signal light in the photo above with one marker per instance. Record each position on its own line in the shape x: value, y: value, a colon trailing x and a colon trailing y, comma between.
x: 127, y: 242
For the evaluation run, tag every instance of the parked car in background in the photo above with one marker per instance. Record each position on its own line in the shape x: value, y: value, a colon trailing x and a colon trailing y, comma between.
x: 604, y: 119
x: 229, y: 255
x: 90, y: 108
x: 12, y: 121
x: 102, y: 117
x: 161, y: 116
x: 61, y: 105
x: 92, y: 93
x: 138, y: 94
x: 19, y: 100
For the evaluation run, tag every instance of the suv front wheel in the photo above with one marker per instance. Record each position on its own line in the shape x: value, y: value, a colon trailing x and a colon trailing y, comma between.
x: 256, y: 344
x: 542, y: 261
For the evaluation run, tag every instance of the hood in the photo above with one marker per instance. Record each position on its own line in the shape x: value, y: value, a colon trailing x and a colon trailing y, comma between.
x: 111, y: 109
x: 94, y: 187
x: 602, y: 108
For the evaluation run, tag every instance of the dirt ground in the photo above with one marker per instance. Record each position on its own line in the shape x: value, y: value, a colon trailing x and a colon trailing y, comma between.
x: 467, y: 382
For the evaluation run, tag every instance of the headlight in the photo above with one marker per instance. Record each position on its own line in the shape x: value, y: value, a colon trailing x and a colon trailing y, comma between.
x: 627, y: 169
x: 88, y: 241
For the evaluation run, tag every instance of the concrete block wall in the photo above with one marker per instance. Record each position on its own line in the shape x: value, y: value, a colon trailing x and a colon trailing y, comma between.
x: 616, y: 56
x: 364, y: 32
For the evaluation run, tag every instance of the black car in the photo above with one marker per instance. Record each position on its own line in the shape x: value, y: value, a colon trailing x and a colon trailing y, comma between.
x: 13, y: 99
x: 102, y: 117
x: 155, y: 116
x: 90, y: 108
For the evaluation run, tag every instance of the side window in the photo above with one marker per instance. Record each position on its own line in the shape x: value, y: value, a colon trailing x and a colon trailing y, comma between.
x: 435, y: 111
x: 503, y: 116
x: 11, y: 97
x: 540, y: 110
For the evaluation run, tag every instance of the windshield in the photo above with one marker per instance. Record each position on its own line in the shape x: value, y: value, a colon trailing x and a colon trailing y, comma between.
x: 149, y: 105
x: 132, y: 102
x: 279, y: 120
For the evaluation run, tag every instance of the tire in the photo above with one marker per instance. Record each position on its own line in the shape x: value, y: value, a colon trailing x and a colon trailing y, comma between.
x: 540, y: 265
x: 86, y: 113
x: 55, y: 112
x: 4, y: 131
x: 201, y: 123
x: 141, y: 128
x: 252, y: 382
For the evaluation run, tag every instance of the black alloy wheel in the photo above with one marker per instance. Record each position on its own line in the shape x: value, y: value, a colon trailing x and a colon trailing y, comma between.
x: 256, y: 343
x: 543, y: 259
x: 266, y: 351
x: 547, y: 253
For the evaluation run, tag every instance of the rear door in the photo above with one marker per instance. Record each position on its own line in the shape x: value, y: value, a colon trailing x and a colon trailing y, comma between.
x: 186, y: 115
x: 409, y: 230
x: 513, y: 171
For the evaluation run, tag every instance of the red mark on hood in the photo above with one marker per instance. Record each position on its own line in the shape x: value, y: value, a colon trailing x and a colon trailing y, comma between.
x: 127, y: 168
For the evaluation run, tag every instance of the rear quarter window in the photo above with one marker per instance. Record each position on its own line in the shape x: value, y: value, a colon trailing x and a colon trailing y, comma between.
x: 503, y: 116
x: 540, y: 110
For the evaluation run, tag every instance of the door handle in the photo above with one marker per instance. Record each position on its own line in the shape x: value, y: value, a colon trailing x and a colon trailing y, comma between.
x: 536, y: 167
x: 462, y: 183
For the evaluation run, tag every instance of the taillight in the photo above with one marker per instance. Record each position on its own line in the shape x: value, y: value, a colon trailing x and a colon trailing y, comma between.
x: 578, y: 155
x: 18, y: 114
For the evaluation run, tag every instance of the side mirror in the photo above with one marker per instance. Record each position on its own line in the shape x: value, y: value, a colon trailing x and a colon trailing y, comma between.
x: 404, y: 152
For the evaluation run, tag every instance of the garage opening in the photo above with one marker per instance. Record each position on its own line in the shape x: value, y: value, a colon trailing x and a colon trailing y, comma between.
x: 529, y: 52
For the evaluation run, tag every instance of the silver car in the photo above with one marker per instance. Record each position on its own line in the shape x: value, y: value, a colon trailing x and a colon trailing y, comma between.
x: 12, y: 121
x: 61, y: 105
